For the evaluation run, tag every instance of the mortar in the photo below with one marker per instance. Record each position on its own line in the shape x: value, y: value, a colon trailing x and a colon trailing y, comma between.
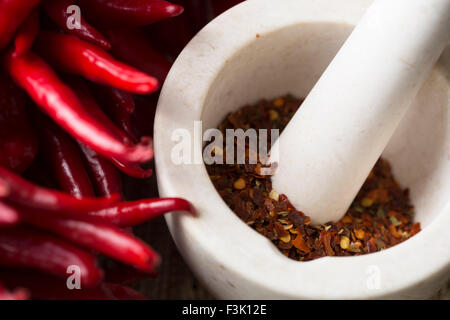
x: 261, y: 50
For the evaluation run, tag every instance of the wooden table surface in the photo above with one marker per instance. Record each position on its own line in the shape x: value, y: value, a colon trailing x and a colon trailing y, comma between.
x: 175, y: 280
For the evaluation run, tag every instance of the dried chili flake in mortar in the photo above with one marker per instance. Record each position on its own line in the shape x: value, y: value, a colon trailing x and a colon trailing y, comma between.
x: 380, y: 216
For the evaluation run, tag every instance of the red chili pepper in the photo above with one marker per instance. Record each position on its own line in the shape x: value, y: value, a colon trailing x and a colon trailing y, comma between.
x: 90, y: 103
x: 4, y: 189
x: 64, y: 159
x: 60, y: 103
x: 129, y: 168
x: 119, y: 105
x: 31, y: 196
x: 133, y: 47
x: 18, y: 144
x: 27, y: 33
x: 132, y: 169
x: 46, y: 287
x: 8, y: 215
x: 101, y: 237
x: 106, y: 178
x: 130, y: 13
x: 24, y: 247
x: 12, y: 14
x: 128, y: 214
x: 121, y: 292
x: 19, y: 294
x: 145, y: 109
x: 72, y: 55
x: 57, y: 11
x: 118, y: 98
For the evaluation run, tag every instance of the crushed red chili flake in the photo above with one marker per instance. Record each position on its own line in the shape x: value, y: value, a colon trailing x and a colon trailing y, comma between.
x: 380, y: 217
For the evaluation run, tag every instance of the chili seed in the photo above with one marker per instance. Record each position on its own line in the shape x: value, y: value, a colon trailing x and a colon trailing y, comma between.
x: 347, y: 219
x: 395, y: 221
x: 344, y: 243
x: 286, y: 238
x: 278, y: 102
x: 367, y: 202
x: 273, y: 115
x: 239, y: 184
x: 274, y: 195
x: 359, y: 233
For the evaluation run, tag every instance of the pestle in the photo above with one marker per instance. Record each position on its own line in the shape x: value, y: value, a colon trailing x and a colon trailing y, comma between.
x: 333, y: 141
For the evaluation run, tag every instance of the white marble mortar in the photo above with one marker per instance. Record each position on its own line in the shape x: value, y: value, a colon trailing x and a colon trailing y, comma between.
x: 264, y: 49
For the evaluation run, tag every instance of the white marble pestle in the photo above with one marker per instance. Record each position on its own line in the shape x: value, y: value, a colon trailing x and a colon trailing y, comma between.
x: 333, y: 141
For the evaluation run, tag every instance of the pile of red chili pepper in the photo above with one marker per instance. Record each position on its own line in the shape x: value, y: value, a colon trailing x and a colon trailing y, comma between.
x: 380, y: 217
x: 75, y: 113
